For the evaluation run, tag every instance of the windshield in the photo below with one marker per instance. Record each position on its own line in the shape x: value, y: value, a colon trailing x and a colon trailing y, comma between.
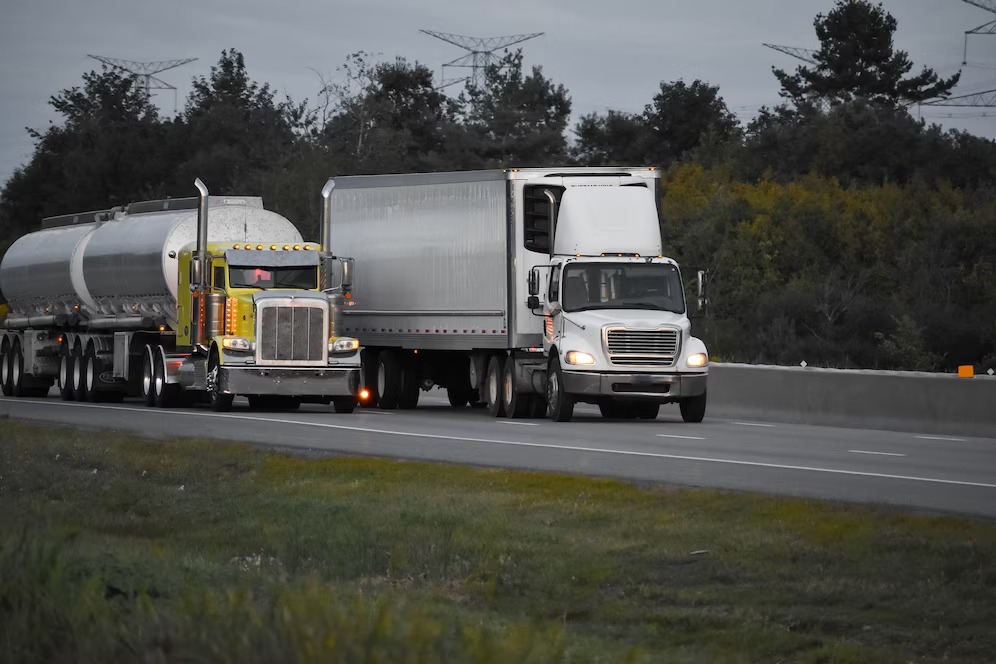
x: 273, y: 277
x: 622, y: 286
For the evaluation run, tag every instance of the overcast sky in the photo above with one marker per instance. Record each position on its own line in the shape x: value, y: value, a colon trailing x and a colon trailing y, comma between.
x: 607, y: 54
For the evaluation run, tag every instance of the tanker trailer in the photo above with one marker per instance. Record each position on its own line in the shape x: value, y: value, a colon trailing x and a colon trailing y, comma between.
x: 177, y: 300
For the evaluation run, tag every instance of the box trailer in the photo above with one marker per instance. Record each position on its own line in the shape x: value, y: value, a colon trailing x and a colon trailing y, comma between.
x: 527, y: 290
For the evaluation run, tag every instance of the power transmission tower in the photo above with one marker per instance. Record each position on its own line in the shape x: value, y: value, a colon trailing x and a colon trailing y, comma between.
x: 984, y: 29
x: 481, y: 53
x: 804, y: 54
x: 144, y: 72
x: 986, y: 98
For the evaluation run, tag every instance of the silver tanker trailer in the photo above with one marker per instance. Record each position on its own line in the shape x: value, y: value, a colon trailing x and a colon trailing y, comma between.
x: 153, y: 300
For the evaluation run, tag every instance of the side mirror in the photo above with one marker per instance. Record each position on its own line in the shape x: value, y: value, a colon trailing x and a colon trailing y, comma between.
x: 533, y: 283
x: 533, y: 302
x: 703, y: 277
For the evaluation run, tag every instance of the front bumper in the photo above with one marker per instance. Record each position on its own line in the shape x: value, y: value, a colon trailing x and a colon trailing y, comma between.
x: 644, y: 386
x: 310, y: 382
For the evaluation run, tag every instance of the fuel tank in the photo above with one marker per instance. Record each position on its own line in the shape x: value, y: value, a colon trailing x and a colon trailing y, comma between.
x: 126, y: 265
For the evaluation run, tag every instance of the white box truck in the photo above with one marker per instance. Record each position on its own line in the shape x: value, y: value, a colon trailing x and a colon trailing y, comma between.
x: 526, y: 289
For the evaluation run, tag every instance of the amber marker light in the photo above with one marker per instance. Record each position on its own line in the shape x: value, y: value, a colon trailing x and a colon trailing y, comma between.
x: 364, y: 394
x: 238, y: 246
x: 297, y: 247
x: 259, y: 247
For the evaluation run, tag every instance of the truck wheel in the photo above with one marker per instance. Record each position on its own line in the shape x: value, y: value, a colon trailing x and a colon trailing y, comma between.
x: 5, y: 367
x: 66, y: 374
x: 166, y: 395
x: 344, y: 404
x: 493, y: 386
x: 17, y: 371
x: 148, y: 377
x: 517, y: 405
x: 220, y: 402
x: 368, y: 370
x: 90, y: 373
x: 77, y: 381
x: 647, y: 411
x: 559, y: 405
x: 388, y: 380
x: 408, y: 397
x: 458, y: 396
x: 693, y: 408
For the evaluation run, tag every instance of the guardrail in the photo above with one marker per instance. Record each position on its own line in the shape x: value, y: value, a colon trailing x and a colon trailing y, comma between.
x: 905, y: 401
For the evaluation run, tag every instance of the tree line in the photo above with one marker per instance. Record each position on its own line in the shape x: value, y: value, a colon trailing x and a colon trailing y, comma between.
x: 836, y: 227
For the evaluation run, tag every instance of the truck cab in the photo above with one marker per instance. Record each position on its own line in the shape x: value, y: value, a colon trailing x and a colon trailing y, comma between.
x: 616, y: 329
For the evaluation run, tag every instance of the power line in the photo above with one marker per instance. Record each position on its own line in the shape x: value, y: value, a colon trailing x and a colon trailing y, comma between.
x: 481, y: 53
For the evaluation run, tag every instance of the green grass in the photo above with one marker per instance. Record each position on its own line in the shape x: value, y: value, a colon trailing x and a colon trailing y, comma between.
x: 187, y: 550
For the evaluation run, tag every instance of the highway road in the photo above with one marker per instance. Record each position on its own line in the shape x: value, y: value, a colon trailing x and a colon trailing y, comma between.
x: 949, y: 473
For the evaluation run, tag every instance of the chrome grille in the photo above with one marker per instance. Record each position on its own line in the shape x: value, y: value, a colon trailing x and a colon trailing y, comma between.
x: 292, y: 334
x: 642, y: 347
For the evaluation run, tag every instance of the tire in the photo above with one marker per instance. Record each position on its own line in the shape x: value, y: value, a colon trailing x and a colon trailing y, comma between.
x: 66, y: 374
x: 559, y: 405
x: 408, y: 397
x: 388, y: 380
x: 493, y: 389
x: 647, y: 411
x: 91, y: 373
x: 220, y: 402
x: 165, y: 394
x: 368, y: 369
x: 79, y: 393
x: 5, y: 368
x: 516, y: 404
x: 344, y: 405
x: 693, y: 408
x: 148, y: 377
x: 16, y: 371
x: 458, y: 397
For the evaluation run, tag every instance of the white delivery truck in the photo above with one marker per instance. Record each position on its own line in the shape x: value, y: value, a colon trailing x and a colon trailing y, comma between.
x: 528, y: 289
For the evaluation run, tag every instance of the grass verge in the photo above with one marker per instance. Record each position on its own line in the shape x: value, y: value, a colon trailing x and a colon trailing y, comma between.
x: 116, y: 548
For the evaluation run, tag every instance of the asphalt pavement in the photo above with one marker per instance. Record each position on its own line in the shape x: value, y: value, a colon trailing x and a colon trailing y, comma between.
x: 929, y: 471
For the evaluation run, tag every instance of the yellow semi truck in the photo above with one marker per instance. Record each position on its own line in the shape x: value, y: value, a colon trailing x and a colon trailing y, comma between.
x: 178, y: 301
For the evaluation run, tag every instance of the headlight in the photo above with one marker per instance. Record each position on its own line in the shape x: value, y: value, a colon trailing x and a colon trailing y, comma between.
x: 698, y: 360
x: 577, y: 357
x: 344, y: 345
x: 236, y: 343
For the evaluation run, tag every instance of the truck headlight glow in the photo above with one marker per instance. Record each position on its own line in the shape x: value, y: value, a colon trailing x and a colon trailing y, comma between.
x: 344, y: 345
x: 698, y: 360
x: 236, y: 343
x: 577, y: 357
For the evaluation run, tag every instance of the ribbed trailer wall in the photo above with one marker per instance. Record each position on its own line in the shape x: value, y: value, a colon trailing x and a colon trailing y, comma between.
x: 431, y: 256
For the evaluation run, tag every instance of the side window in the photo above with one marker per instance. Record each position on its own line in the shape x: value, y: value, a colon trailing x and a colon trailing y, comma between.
x: 536, y: 217
x: 554, y: 294
x: 219, y: 276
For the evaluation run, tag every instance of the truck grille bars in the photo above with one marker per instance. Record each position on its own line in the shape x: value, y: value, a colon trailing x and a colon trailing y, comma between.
x: 642, y: 347
x: 292, y: 334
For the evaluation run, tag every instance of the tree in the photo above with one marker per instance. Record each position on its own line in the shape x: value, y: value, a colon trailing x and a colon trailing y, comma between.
x: 682, y: 116
x: 236, y: 134
x: 387, y: 117
x: 857, y: 59
x: 515, y: 119
x: 615, y: 138
x: 110, y: 149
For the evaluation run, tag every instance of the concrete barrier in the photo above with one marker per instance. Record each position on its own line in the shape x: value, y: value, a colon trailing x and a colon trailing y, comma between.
x: 906, y: 401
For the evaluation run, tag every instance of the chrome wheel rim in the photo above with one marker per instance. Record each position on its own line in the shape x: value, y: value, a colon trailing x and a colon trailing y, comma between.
x: 64, y: 371
x: 146, y: 375
x: 507, y: 384
x: 90, y: 371
x: 381, y: 379
x: 77, y: 372
x: 15, y: 373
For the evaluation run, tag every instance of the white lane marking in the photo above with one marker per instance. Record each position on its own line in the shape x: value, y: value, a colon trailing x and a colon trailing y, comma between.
x: 879, y: 453
x: 955, y: 440
x: 569, y: 448
x: 374, y: 412
x: 521, y: 424
x: 754, y: 424
x: 671, y: 435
